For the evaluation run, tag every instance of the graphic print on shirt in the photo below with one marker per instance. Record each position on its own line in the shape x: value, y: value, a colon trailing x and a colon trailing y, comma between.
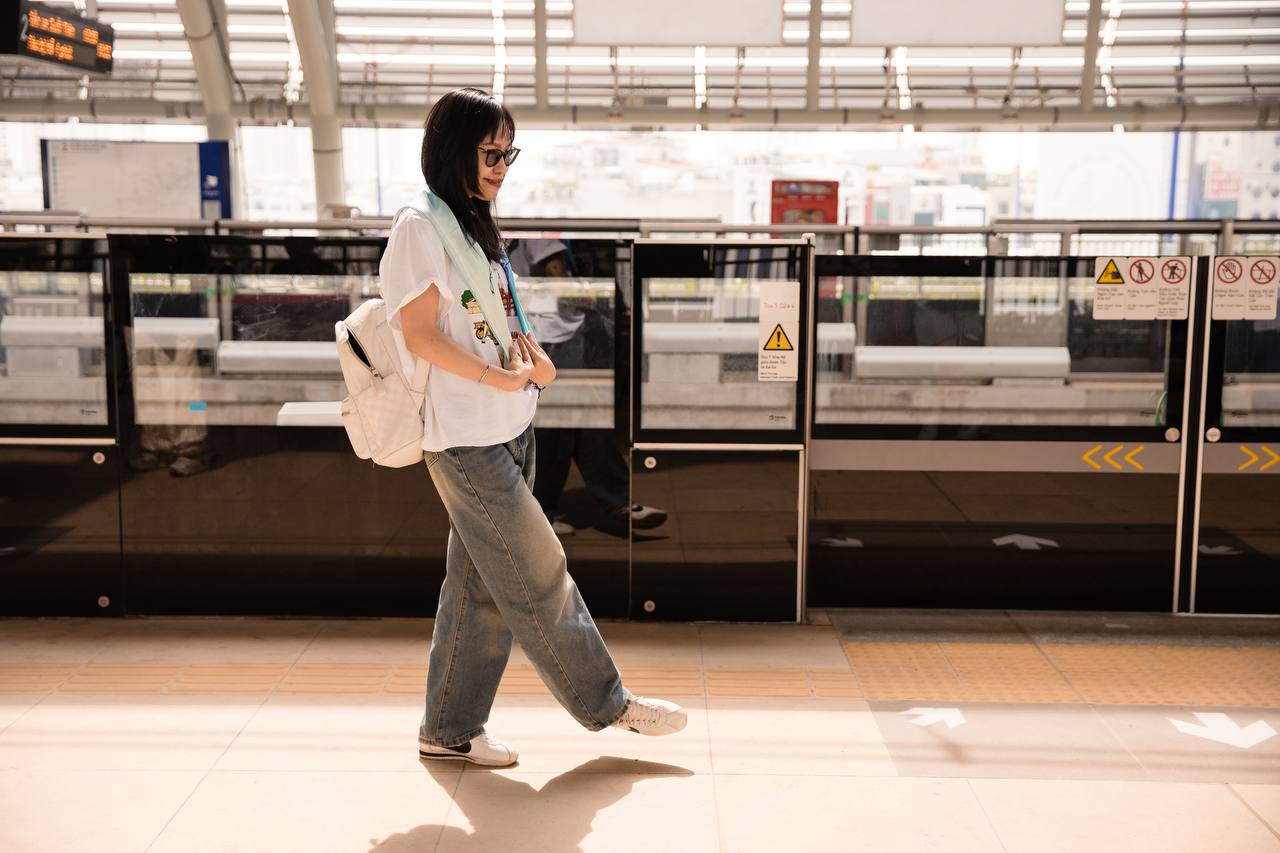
x: 473, y: 307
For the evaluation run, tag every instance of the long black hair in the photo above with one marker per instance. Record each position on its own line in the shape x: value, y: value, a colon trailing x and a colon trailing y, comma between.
x: 455, y: 127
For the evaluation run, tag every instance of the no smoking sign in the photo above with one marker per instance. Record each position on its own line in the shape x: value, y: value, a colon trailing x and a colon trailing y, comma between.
x: 1245, y: 288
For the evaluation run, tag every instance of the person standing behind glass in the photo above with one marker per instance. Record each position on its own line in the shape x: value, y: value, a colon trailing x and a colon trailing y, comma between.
x: 506, y: 573
x: 566, y: 333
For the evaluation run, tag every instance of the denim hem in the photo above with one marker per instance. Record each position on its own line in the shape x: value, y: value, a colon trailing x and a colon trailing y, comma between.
x: 597, y: 727
x: 459, y: 742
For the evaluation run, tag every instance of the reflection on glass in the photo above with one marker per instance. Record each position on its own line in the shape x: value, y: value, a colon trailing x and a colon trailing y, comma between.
x: 568, y: 290
x: 52, y: 348
x: 1012, y: 349
x: 224, y: 349
x: 699, y: 364
x: 1251, y: 381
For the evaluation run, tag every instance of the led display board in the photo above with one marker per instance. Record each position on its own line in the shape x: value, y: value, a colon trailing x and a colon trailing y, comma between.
x: 54, y: 35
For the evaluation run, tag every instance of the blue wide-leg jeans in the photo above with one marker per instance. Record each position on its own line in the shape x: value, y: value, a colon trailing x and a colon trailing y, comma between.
x: 506, y: 575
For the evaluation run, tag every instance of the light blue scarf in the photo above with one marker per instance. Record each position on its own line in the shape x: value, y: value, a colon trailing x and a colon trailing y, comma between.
x: 473, y: 265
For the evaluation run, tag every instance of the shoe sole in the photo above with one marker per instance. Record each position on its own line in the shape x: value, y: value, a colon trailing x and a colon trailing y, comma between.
x: 455, y: 756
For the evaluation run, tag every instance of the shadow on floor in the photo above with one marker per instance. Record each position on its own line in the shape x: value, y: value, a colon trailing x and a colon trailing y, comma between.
x: 558, y: 816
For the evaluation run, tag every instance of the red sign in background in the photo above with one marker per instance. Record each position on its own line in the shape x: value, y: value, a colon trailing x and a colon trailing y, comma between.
x: 805, y: 201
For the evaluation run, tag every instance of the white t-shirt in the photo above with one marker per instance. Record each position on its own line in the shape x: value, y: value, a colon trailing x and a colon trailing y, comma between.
x: 459, y: 411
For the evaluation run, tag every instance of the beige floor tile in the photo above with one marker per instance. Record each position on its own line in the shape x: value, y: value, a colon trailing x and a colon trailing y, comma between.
x: 53, y: 640
x: 387, y: 641
x: 102, y: 732
x: 551, y: 741
x: 328, y: 733
x: 823, y: 737
x: 803, y: 646
x: 14, y: 705
x: 584, y: 810
x: 1264, y: 800
x: 1126, y: 817
x: 81, y: 810
x: 759, y: 813
x: 250, y: 812
x: 208, y: 640
x: 674, y: 644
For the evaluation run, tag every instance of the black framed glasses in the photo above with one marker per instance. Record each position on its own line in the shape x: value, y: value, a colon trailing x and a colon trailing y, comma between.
x: 493, y: 155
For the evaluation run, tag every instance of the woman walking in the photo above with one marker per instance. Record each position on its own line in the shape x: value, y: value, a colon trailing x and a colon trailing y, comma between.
x: 444, y: 278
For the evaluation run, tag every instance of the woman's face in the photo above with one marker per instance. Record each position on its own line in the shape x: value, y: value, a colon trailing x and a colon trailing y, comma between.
x: 489, y: 178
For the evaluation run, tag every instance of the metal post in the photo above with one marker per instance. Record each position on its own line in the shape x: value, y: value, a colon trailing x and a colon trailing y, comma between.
x: 1089, y: 74
x: 540, y: 53
x: 1227, y: 237
x: 815, y: 55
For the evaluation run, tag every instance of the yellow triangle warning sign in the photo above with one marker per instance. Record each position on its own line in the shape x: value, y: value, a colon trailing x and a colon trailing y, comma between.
x: 778, y: 340
x: 1110, y: 274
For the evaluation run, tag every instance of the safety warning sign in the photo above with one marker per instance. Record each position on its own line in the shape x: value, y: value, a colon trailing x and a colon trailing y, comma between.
x: 1245, y: 288
x: 1142, y: 288
x: 779, y: 332
x: 1110, y: 274
x: 778, y: 340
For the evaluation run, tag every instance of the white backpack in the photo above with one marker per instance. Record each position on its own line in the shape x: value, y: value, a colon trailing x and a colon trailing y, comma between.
x: 383, y: 409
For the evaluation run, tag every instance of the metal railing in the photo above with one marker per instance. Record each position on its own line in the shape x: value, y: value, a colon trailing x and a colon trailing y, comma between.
x: 1001, y: 237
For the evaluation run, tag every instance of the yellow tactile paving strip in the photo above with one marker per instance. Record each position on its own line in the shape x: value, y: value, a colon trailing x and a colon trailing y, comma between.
x: 1092, y: 674
x: 958, y: 672
x: 1166, y: 675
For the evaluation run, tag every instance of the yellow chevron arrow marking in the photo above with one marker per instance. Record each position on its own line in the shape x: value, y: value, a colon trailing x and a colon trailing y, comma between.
x: 1275, y: 457
x: 1112, y: 462
x: 1129, y: 457
x: 1253, y: 457
x: 1087, y: 458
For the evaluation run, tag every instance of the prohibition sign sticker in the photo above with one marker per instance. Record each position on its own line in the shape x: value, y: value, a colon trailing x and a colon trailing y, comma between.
x: 1142, y: 271
x: 1230, y: 270
x: 1173, y: 271
x: 1263, y: 271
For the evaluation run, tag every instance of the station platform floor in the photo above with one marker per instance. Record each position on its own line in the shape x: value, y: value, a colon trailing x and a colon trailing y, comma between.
x: 1013, y: 732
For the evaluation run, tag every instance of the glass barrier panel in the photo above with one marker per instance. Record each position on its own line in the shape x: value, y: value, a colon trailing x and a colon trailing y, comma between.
x: 699, y: 361
x: 53, y: 367
x: 1251, y: 374
x: 1012, y: 345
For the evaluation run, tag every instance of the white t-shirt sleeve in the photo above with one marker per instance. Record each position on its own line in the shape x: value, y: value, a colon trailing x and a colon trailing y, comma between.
x: 414, y: 260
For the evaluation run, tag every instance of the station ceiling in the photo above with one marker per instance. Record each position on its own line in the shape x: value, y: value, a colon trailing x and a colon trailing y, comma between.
x: 1159, y: 63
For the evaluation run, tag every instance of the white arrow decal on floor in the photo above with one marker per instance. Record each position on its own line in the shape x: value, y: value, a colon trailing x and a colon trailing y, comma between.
x: 928, y: 716
x: 1024, y: 542
x: 1225, y: 550
x: 842, y: 542
x: 1223, y: 729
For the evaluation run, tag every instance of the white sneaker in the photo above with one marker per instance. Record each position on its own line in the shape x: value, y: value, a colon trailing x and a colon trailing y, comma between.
x: 652, y: 717
x: 482, y: 749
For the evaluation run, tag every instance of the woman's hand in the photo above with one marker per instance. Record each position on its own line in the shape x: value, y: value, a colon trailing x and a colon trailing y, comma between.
x: 517, y: 372
x: 544, y: 372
